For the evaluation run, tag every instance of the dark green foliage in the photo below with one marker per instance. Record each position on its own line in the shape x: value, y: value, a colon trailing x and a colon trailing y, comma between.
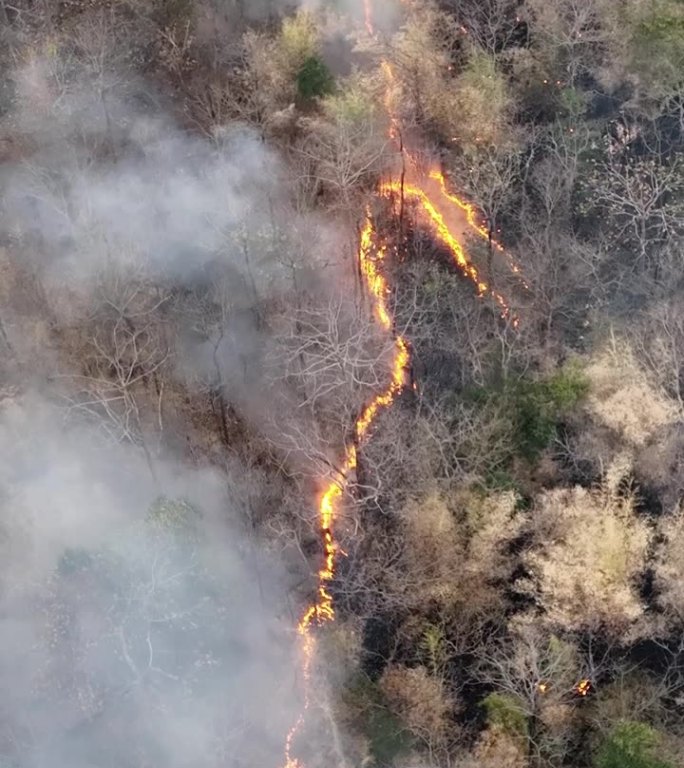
x: 537, y: 406
x: 530, y: 410
x: 631, y: 745
x: 387, y: 737
x: 314, y: 79
x: 658, y: 46
x: 505, y: 713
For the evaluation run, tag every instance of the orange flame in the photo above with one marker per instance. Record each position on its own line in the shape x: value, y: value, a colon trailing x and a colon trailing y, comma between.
x: 444, y: 234
x: 471, y: 216
x: 322, y: 610
x: 583, y: 687
x: 420, y: 193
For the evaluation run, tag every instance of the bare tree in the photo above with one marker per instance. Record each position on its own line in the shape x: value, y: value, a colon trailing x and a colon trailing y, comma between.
x: 491, y: 23
x: 336, y: 358
x: 487, y: 177
x: 538, y: 673
x: 640, y: 198
x: 125, y: 354
x: 343, y: 157
x: 575, y: 33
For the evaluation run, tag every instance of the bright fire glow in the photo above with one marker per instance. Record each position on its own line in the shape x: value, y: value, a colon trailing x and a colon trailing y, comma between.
x: 371, y: 256
x: 420, y: 192
x: 583, y: 687
x: 322, y: 610
x: 447, y: 238
x: 471, y: 216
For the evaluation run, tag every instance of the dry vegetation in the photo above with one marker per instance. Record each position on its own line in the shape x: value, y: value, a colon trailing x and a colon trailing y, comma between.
x: 511, y: 595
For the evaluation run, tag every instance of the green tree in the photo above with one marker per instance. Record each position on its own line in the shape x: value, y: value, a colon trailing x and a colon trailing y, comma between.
x: 656, y: 50
x: 483, y: 103
x: 314, y: 79
x: 631, y: 745
x: 504, y: 711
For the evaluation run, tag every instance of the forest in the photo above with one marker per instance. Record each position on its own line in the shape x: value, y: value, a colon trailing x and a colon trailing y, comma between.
x: 342, y: 383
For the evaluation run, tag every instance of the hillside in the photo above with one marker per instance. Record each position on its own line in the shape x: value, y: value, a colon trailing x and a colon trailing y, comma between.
x: 341, y: 383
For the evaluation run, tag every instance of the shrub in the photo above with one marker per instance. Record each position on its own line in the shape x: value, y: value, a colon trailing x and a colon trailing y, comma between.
x: 538, y: 406
x: 631, y: 745
x: 366, y: 707
x: 504, y: 712
x: 314, y: 79
x: 532, y: 408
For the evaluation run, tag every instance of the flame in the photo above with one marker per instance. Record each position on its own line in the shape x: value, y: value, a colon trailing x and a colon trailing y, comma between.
x: 471, y: 216
x: 468, y: 269
x: 322, y: 610
x: 421, y: 193
x: 467, y: 208
x: 583, y: 687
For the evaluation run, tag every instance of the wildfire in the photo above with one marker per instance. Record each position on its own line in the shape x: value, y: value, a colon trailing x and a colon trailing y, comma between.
x: 322, y: 610
x: 467, y: 208
x: 583, y: 687
x: 468, y: 269
x: 370, y: 257
x: 421, y: 193
x: 471, y: 216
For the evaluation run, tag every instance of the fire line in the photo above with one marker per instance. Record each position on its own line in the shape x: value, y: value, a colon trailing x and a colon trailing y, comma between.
x: 371, y: 256
x: 322, y: 610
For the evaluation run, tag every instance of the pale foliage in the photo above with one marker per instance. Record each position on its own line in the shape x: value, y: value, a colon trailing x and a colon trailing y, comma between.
x: 482, y: 104
x: 271, y: 64
x: 576, y: 34
x: 492, y: 522
x: 419, y: 699
x: 471, y: 108
x: 354, y: 102
x: 456, y: 557
x: 298, y: 41
x: 623, y: 397
x: 592, y: 548
x: 496, y: 749
x: 266, y: 80
x: 345, y: 147
x: 669, y: 567
x: 421, y: 55
x: 434, y: 548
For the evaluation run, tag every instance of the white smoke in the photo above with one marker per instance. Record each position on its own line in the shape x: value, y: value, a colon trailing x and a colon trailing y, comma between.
x: 124, y: 643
